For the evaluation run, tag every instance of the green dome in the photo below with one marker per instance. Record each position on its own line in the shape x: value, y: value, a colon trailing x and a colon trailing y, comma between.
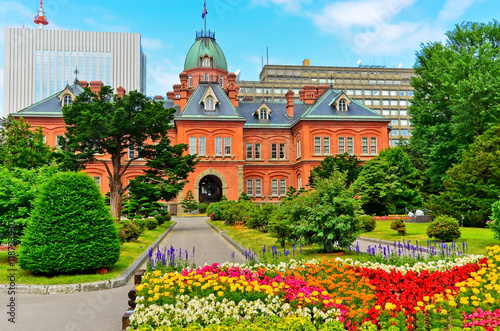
x: 205, y: 46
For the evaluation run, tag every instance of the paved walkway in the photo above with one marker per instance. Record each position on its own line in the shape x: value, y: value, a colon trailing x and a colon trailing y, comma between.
x: 102, y: 310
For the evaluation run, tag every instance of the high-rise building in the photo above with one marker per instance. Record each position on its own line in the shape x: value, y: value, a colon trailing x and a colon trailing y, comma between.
x: 386, y: 91
x: 39, y: 62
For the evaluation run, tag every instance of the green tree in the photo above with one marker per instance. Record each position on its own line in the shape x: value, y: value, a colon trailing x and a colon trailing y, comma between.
x: 472, y: 185
x: 108, y: 124
x: 21, y: 146
x: 326, y: 215
x: 18, y: 190
x: 345, y: 163
x: 389, y: 183
x: 457, y: 95
x: 70, y: 228
x: 189, y: 203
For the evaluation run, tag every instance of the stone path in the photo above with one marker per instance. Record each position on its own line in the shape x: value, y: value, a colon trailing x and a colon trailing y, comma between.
x: 102, y: 310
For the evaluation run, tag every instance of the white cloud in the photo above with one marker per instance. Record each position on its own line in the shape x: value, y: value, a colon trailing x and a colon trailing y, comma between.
x: 454, y: 9
x: 288, y: 5
x: 161, y: 76
x: 361, y: 13
x: 150, y: 44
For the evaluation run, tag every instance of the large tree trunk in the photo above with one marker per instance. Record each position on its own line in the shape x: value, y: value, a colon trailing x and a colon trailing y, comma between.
x: 116, y: 204
x: 115, y: 188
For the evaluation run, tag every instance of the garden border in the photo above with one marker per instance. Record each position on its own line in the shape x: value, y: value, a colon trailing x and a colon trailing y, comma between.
x: 229, y: 239
x: 93, y: 286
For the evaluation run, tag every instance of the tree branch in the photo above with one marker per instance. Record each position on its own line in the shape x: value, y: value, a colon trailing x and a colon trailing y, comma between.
x: 107, y: 167
x: 127, y: 165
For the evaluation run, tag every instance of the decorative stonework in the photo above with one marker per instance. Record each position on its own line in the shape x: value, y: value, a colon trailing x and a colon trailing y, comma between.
x: 208, y: 172
x: 240, y: 180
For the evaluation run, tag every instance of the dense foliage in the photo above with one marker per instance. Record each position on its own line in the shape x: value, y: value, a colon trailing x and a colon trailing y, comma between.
x: 444, y: 228
x: 456, y: 97
x: 326, y: 215
x: 189, y: 204
x: 70, y: 229
x: 346, y: 163
x: 494, y: 223
x: 389, y: 183
x: 367, y: 223
x: 21, y: 146
x: 104, y: 123
x: 473, y: 184
x: 18, y: 190
x: 399, y: 225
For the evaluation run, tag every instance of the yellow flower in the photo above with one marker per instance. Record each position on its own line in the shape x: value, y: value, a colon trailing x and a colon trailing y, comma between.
x: 181, y: 290
x: 338, y: 301
x: 139, y: 288
x: 417, y: 308
x: 444, y: 311
x: 220, y: 293
x: 475, y: 303
x: 426, y: 298
x: 378, y: 307
x: 390, y: 306
x: 464, y: 301
x: 157, y: 273
x: 420, y: 304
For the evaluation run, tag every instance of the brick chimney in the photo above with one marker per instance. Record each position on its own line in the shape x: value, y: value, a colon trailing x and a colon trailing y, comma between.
x: 121, y: 91
x: 232, y: 90
x: 95, y: 86
x: 170, y: 95
x: 83, y: 83
x: 308, y: 94
x: 158, y: 97
x: 289, y: 103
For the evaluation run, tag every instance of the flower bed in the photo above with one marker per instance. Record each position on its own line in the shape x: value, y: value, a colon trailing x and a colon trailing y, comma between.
x: 345, y: 295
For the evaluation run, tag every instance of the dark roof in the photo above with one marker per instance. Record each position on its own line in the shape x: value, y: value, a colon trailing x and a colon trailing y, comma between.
x: 278, y: 117
x: 50, y: 106
x: 196, y: 110
x: 323, y: 108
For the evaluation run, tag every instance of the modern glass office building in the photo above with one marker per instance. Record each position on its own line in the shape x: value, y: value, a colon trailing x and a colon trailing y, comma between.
x: 38, y: 63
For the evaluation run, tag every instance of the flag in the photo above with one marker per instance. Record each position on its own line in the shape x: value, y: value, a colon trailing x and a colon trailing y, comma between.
x: 204, y: 13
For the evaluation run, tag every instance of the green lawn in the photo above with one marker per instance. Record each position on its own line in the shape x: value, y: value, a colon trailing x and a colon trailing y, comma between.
x: 129, y: 253
x: 255, y: 239
x: 477, y: 238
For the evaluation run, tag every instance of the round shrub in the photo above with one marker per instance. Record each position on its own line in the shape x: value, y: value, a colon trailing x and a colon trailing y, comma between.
x: 160, y: 219
x: 494, y: 222
x: 444, y: 228
x: 128, y: 231
x: 202, y: 207
x: 168, y: 217
x: 70, y: 228
x: 399, y: 225
x: 367, y: 223
x: 141, y: 223
x: 151, y: 223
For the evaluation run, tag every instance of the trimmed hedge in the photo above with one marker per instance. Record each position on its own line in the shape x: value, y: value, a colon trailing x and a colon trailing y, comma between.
x: 444, y: 228
x: 70, y: 228
x: 368, y: 223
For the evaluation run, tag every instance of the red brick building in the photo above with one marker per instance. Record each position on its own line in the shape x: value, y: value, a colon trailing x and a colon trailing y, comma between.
x: 252, y: 147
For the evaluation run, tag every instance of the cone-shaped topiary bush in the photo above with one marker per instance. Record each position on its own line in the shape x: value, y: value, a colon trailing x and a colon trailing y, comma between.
x: 70, y: 229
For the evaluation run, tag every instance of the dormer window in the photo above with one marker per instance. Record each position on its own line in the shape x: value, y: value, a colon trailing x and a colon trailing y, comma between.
x: 209, y: 104
x: 205, y: 62
x: 190, y: 81
x: 263, y: 114
x: 342, y: 105
x: 67, y: 100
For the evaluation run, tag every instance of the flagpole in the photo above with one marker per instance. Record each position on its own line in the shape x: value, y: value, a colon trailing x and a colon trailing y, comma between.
x: 204, y: 7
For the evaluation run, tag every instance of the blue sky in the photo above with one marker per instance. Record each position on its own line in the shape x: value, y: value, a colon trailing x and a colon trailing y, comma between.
x: 333, y: 33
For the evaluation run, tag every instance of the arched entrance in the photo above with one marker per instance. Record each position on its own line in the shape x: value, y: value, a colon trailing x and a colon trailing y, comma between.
x: 210, y: 189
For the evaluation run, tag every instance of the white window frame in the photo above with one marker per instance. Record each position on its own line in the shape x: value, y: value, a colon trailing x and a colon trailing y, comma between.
x: 373, y: 146
x: 342, y: 145
x: 282, y: 187
x: 257, y: 151
x: 364, y: 143
x: 192, y: 145
x: 202, y: 148
x: 258, y: 187
x: 250, y: 187
x: 274, y: 151
x: 274, y: 187
x: 227, y: 146
x: 326, y: 145
x: 218, y: 145
x: 317, y: 145
x: 210, y: 103
x: 350, y: 145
